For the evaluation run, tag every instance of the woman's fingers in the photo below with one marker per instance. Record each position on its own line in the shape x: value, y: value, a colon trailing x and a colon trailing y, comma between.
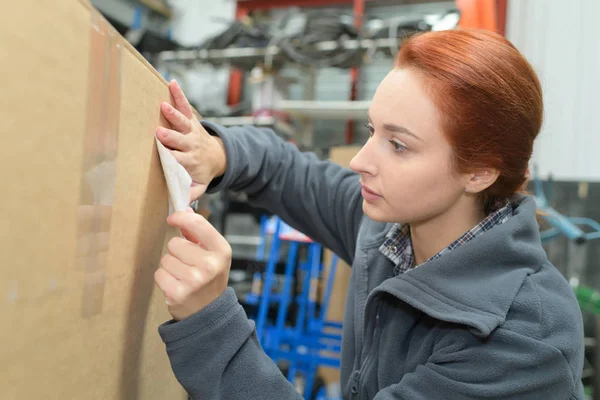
x: 175, y: 266
x: 197, y: 190
x: 201, y: 232
x: 179, y: 121
x: 187, y: 252
x: 169, y: 285
x: 201, y: 154
x: 196, y: 270
x: 174, y: 139
x: 185, y: 159
x: 181, y: 102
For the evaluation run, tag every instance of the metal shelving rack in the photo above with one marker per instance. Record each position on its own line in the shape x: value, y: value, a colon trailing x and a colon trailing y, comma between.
x: 258, y: 54
x: 489, y: 14
x: 485, y: 14
x: 244, y: 7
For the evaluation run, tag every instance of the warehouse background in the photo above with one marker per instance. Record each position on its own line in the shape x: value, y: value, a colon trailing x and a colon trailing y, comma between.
x: 558, y: 37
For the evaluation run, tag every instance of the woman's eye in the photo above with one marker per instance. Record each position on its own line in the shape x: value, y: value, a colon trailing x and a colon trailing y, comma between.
x: 370, y: 128
x: 397, y: 146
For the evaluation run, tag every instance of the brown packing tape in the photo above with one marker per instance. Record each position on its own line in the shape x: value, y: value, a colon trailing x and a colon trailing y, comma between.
x: 99, y: 162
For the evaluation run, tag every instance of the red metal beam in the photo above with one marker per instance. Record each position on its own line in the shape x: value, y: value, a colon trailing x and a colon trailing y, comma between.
x: 501, y: 6
x: 480, y: 14
x: 236, y: 77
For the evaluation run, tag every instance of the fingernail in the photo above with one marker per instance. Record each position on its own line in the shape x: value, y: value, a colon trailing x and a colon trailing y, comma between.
x: 190, y: 210
x: 161, y: 133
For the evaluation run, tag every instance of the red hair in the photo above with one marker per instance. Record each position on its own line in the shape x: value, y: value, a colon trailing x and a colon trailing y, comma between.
x: 490, y: 100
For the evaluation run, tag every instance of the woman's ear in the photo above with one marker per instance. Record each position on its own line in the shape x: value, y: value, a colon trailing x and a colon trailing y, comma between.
x: 478, y: 181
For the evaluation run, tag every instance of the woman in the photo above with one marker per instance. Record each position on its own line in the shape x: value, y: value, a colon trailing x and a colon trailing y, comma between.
x: 451, y: 295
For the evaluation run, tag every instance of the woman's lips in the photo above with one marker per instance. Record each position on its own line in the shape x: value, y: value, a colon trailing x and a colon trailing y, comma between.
x: 369, y: 195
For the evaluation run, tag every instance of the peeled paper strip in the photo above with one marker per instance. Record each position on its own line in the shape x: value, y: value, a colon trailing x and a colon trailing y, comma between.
x: 178, y: 180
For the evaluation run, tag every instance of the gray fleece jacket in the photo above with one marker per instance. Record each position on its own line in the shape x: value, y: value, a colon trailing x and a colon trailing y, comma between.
x: 491, y: 319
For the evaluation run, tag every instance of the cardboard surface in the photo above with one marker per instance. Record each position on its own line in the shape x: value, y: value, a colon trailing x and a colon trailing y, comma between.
x: 79, y: 307
x: 335, y: 312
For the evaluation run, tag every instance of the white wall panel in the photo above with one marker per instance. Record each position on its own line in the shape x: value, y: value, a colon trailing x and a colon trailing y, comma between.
x: 193, y: 22
x: 560, y: 39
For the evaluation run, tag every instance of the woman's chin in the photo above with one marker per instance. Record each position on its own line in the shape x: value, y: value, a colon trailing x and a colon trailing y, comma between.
x: 373, y: 212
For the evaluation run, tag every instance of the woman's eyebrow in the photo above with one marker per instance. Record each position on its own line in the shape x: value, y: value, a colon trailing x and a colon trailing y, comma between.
x: 400, y: 129
x: 397, y: 129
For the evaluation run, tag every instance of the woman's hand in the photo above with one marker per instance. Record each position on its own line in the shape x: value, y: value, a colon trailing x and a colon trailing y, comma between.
x: 200, y: 153
x: 195, y: 272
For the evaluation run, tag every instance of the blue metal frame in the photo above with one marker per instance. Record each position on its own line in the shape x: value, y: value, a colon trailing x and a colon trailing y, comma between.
x: 562, y: 225
x: 303, y: 344
x: 268, y: 282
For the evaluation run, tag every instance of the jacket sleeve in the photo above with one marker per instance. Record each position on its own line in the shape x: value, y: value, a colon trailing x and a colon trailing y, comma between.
x: 319, y: 198
x: 215, y: 355
x: 505, y: 366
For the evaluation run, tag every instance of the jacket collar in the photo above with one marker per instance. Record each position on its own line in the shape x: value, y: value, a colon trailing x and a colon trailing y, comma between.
x: 476, y: 283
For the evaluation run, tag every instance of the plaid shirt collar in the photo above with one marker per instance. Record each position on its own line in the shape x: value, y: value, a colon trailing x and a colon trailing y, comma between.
x: 397, y: 245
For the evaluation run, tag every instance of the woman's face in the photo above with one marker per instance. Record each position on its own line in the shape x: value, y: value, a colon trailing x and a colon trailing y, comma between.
x: 405, y: 166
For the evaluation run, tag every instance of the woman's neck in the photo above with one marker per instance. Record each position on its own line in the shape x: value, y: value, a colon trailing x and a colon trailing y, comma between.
x: 435, y: 234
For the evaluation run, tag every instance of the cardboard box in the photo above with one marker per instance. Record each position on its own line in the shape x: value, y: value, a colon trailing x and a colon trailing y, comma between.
x: 84, y: 203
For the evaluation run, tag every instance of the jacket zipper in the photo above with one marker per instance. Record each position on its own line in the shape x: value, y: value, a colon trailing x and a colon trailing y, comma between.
x: 361, y: 298
x: 370, y: 357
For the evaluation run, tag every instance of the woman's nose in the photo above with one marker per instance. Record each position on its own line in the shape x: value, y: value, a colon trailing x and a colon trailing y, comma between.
x: 363, y: 161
